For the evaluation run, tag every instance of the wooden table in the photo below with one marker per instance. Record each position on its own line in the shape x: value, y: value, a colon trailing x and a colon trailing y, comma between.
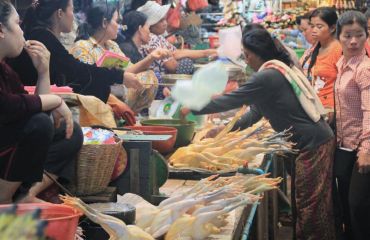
x: 236, y: 219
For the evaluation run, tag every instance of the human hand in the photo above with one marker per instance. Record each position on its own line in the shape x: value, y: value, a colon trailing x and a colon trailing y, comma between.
x: 363, y: 163
x: 122, y: 110
x: 211, y: 53
x: 60, y: 113
x: 39, y: 55
x: 131, y: 81
x: 166, y: 92
x: 184, y: 112
x: 214, y: 131
x: 158, y: 54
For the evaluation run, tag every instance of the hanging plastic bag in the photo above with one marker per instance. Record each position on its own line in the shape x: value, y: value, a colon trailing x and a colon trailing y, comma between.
x: 206, y: 82
x: 230, y: 42
x: 195, y: 5
x: 174, y: 17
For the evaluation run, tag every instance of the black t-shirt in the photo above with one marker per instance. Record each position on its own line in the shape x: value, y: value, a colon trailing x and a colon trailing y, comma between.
x: 65, y: 70
x: 270, y: 95
x: 129, y: 48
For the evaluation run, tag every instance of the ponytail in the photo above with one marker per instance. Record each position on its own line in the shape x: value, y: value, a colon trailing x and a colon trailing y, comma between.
x: 83, y: 32
x: 133, y: 21
x: 282, y: 53
x: 95, y: 17
x: 40, y: 13
x: 314, y: 55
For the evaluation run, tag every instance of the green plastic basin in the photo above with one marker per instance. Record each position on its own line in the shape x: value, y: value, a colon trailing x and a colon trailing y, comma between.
x: 185, y: 129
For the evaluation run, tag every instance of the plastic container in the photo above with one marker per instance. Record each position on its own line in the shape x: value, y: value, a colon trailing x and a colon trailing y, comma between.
x: 185, y: 129
x: 160, y: 146
x: 62, y: 220
x: 230, y: 42
x: 206, y: 82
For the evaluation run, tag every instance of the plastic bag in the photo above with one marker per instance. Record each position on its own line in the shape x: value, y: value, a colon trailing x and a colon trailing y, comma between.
x: 230, y: 42
x: 174, y: 17
x: 206, y: 82
x: 195, y: 5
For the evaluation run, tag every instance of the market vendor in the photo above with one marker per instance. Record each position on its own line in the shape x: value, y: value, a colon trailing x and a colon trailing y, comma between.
x: 95, y: 38
x: 137, y: 34
x: 44, y: 22
x: 270, y: 94
x: 29, y: 142
x: 179, y: 63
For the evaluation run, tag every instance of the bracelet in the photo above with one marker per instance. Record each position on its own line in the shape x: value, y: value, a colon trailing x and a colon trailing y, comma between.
x: 60, y: 104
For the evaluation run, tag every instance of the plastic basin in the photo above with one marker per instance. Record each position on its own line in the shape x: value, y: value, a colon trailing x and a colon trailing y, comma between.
x: 160, y: 146
x: 62, y: 220
x: 185, y: 129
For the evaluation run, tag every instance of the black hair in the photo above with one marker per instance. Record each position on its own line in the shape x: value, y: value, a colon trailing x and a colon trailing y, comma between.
x: 94, y: 19
x: 6, y: 9
x: 40, y: 13
x: 255, y: 26
x: 135, y: 4
x: 133, y: 20
x: 349, y: 18
x: 367, y: 14
x: 261, y: 43
x: 330, y: 17
x: 298, y: 20
x: 252, y: 26
x: 305, y: 16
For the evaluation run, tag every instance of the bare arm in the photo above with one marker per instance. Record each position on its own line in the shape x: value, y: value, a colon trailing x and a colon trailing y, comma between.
x: 144, y: 64
x: 194, y: 54
x: 40, y: 57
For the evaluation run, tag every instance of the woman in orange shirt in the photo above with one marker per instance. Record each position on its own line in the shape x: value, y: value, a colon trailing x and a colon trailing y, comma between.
x: 322, y: 70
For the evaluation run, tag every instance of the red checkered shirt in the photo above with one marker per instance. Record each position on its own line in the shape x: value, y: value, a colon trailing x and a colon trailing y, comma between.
x: 352, y: 103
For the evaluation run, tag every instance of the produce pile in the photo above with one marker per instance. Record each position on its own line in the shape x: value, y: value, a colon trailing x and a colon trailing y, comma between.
x: 194, y: 214
x: 230, y: 150
x: 23, y: 227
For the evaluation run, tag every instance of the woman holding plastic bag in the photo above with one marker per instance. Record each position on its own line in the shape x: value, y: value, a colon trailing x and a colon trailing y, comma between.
x: 280, y: 92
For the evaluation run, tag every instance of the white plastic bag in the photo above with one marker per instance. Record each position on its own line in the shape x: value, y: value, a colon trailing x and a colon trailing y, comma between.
x: 230, y: 42
x: 206, y: 82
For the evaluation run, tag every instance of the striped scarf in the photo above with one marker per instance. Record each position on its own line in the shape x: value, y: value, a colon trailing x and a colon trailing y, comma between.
x: 302, y: 88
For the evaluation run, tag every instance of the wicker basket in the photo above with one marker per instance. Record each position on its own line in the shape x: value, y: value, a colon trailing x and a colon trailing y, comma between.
x: 95, y: 166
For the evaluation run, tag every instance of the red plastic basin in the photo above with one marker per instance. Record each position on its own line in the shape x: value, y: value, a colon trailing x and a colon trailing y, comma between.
x: 62, y: 220
x: 160, y: 146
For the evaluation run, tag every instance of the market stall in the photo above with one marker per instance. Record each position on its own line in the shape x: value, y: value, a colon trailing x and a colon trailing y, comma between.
x: 170, y: 175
